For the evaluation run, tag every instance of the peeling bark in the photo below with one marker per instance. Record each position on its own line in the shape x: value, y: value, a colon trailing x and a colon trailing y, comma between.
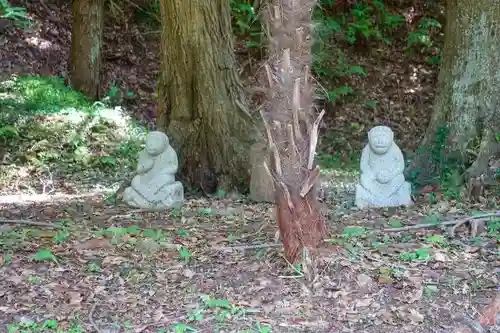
x: 467, y: 103
x: 201, y: 105
x: 86, y: 46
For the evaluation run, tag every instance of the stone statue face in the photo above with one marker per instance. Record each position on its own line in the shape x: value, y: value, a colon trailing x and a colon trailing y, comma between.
x: 156, y: 143
x: 380, y: 139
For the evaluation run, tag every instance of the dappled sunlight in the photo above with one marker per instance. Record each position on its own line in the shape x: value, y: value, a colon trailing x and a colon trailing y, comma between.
x: 53, y: 197
x: 53, y: 135
x: 39, y: 42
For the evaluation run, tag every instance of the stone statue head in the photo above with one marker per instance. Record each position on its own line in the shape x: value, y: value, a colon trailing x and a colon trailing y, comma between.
x: 380, y: 139
x: 156, y: 143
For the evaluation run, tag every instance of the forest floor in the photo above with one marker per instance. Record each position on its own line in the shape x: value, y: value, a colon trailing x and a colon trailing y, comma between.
x: 214, y: 265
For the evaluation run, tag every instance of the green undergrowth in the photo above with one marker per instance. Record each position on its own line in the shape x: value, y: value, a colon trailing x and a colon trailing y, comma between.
x: 17, y: 15
x: 47, y: 127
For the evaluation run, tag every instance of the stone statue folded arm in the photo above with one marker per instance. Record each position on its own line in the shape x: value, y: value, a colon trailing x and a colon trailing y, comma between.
x: 397, y: 166
x: 367, y: 176
x: 145, y: 164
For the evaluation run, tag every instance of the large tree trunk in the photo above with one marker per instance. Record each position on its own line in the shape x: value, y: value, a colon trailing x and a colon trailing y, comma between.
x: 466, y: 113
x: 86, y: 46
x: 201, y: 105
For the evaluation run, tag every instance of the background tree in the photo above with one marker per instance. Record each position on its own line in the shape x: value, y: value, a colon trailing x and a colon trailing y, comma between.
x: 86, y: 46
x: 201, y: 105
x: 466, y: 112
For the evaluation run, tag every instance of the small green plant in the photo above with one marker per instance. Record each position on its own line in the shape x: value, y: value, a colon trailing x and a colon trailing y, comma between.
x: 205, y: 211
x: 182, y: 328
x: 62, y: 236
x: 354, y: 231
x: 16, y: 14
x: 431, y: 290
x: 262, y: 329
x: 434, y: 219
x: 421, y: 40
x: 417, y: 255
x: 439, y: 240
x: 44, y: 255
x: 395, y: 223
x: 35, y: 280
x: 185, y: 254
x: 48, y: 326
x: 93, y: 267
x: 246, y: 23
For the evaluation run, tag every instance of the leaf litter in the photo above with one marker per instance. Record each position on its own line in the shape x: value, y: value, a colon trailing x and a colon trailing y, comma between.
x: 210, y: 270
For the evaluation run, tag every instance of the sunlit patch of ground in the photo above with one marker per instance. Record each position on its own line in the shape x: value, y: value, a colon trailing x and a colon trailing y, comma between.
x: 53, y: 140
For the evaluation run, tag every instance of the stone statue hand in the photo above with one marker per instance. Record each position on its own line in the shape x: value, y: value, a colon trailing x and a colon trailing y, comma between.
x: 383, y: 177
x: 145, y: 165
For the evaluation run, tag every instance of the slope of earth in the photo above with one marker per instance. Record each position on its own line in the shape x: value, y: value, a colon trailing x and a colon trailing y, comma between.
x: 213, y: 267
x: 130, y: 60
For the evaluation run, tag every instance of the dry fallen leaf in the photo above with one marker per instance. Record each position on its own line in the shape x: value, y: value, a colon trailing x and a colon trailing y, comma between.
x: 363, y: 303
x: 388, y: 317
x: 95, y: 243
x: 417, y: 295
x: 364, y: 280
x: 490, y: 315
x: 441, y: 257
x: 416, y: 316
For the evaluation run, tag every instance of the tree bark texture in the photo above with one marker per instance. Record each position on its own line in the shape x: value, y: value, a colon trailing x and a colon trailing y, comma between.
x: 201, y: 105
x: 467, y: 110
x: 86, y: 46
x: 292, y: 135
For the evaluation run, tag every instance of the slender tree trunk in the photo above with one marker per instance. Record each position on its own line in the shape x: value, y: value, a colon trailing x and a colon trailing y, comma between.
x: 201, y: 105
x: 292, y: 135
x: 467, y: 110
x: 86, y: 46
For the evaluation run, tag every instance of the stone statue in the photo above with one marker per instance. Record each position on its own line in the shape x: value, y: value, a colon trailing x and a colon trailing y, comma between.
x: 154, y: 186
x: 382, y: 183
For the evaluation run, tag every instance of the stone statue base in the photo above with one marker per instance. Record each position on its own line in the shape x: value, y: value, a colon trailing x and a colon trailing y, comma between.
x: 169, y: 196
x: 402, y: 197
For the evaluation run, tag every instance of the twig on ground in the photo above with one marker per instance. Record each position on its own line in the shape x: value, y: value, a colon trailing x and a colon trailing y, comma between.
x: 472, y: 324
x: 247, y: 247
x: 455, y: 223
x: 91, y: 320
x: 28, y: 222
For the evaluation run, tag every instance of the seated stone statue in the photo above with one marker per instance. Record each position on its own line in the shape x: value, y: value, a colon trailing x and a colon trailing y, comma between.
x: 382, y: 183
x: 154, y: 186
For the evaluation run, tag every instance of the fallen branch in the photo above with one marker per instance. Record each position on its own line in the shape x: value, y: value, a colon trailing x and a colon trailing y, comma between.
x: 91, y: 320
x: 28, y: 222
x: 455, y: 223
x: 247, y: 247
